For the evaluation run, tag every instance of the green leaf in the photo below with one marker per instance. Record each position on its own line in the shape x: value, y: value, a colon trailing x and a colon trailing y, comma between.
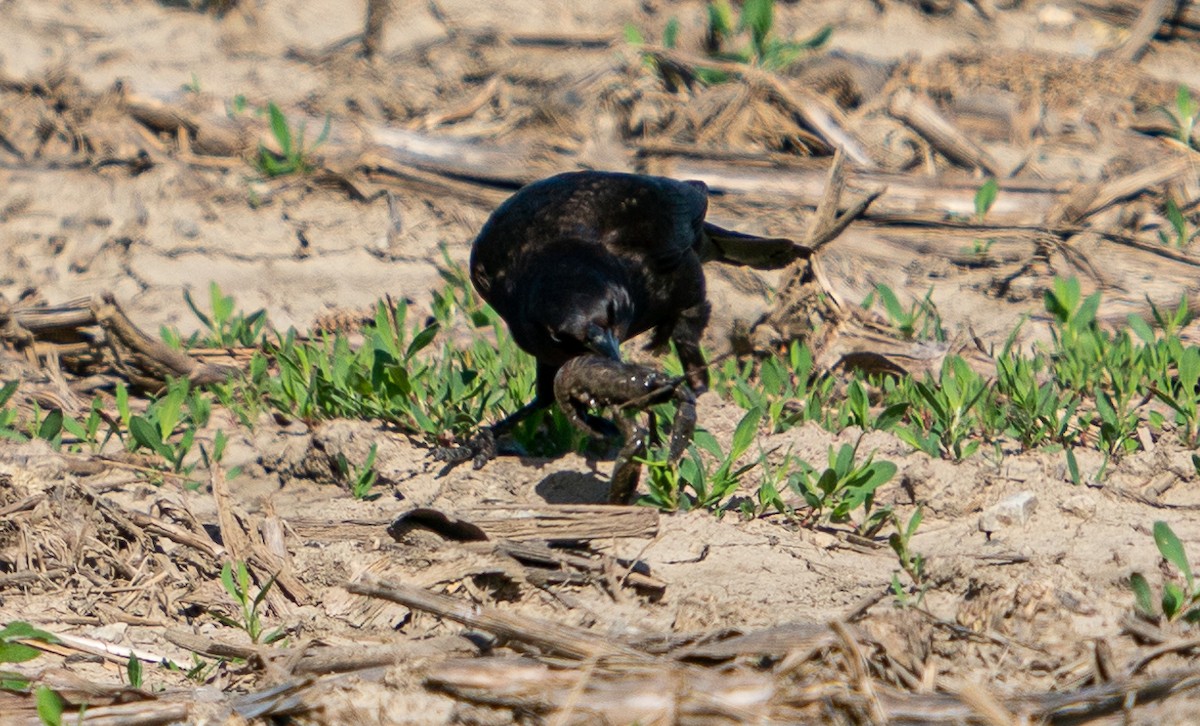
x: 145, y: 433
x: 21, y: 630
x: 1172, y: 600
x: 758, y: 16
x: 76, y: 429
x: 1141, y: 328
x: 881, y: 472
x: 280, y: 129
x: 633, y: 36
x: 720, y: 18
x: 818, y: 39
x: 1143, y: 598
x: 1172, y: 551
x: 50, y: 706
x: 421, y: 340
x: 7, y: 391
x: 891, y: 416
x: 133, y: 670
x: 743, y: 435
x: 51, y: 425
x: 1072, y: 466
x: 11, y: 652
x: 671, y: 33
x: 227, y: 581
x: 1086, y: 315
x: 985, y: 197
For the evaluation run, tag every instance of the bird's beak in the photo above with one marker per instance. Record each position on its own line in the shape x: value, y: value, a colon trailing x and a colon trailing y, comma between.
x: 603, y: 341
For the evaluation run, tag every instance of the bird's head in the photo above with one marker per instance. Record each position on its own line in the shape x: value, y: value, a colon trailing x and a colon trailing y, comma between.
x: 595, y: 320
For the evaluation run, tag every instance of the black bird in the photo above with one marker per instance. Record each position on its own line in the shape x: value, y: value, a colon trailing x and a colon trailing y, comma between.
x: 580, y: 262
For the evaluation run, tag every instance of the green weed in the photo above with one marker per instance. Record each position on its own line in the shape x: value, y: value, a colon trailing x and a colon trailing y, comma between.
x: 1183, y: 116
x: 50, y: 706
x: 8, y: 414
x: 12, y: 650
x: 694, y: 483
x: 227, y: 327
x: 837, y: 493
x: 294, y: 155
x: 756, y: 23
x: 942, y: 417
x: 133, y: 671
x: 1183, y: 235
x: 360, y: 478
x: 912, y: 563
x: 919, y: 321
x: 1176, y: 601
x: 235, y: 577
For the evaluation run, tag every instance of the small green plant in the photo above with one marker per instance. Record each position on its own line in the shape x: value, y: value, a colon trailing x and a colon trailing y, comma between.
x: 12, y: 650
x: 985, y: 197
x: 155, y: 429
x: 1184, y: 235
x: 133, y: 671
x: 694, y: 483
x: 845, y: 486
x: 227, y: 326
x: 294, y: 156
x: 944, y: 419
x: 361, y: 478
x: 235, y: 577
x: 1180, y: 391
x: 920, y: 321
x: 201, y: 669
x: 1176, y: 601
x: 911, y: 563
x: 769, y: 494
x: 8, y: 415
x: 1183, y: 116
x: 757, y: 18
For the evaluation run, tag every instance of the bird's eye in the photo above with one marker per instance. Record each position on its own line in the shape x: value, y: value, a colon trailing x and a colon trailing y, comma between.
x: 612, y: 311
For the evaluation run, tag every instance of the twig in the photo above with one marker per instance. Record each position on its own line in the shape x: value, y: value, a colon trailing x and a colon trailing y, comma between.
x: 856, y: 663
x: 110, y: 651
x: 1177, y: 646
x: 918, y: 113
x: 548, y: 636
x: 1142, y: 32
x: 985, y: 705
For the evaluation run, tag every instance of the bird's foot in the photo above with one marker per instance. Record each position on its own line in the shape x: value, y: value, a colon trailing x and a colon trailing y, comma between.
x: 479, y: 449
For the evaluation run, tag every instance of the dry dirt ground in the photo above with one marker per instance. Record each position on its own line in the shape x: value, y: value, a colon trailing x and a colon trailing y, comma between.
x: 122, y: 172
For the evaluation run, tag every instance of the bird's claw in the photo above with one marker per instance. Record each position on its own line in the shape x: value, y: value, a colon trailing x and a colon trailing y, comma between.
x: 479, y: 449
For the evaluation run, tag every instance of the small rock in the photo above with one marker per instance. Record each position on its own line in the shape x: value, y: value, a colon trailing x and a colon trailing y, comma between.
x: 1080, y: 505
x: 111, y: 633
x: 1053, y: 17
x: 1015, y: 510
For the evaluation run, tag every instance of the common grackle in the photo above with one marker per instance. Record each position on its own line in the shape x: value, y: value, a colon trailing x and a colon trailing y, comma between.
x: 580, y: 262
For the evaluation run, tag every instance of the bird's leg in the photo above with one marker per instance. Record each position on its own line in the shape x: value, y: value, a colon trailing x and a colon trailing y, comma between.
x: 686, y: 335
x: 481, y: 448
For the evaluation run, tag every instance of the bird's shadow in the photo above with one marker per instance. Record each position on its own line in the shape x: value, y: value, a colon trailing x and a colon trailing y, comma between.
x: 573, y: 487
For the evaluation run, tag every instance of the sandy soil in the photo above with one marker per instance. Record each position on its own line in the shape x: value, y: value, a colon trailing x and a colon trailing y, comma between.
x: 1029, y: 607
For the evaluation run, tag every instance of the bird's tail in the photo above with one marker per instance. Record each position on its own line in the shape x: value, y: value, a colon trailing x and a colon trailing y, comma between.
x: 737, y: 248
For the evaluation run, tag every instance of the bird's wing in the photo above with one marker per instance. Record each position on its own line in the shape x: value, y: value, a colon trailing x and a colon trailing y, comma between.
x: 654, y: 218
